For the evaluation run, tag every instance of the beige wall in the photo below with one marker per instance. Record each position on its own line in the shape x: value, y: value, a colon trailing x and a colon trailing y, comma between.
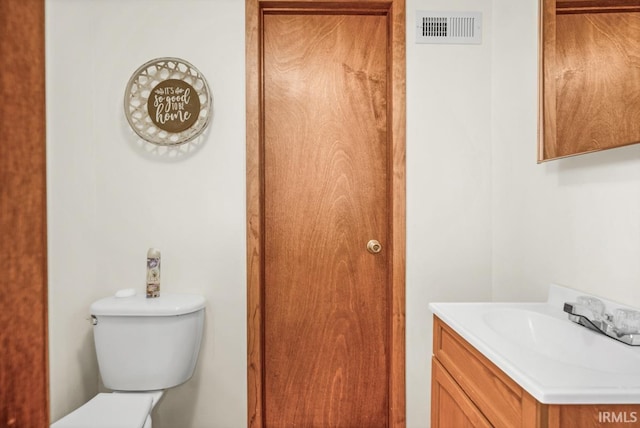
x: 483, y: 220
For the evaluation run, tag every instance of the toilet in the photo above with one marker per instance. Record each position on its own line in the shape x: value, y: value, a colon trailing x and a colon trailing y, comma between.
x: 144, y: 346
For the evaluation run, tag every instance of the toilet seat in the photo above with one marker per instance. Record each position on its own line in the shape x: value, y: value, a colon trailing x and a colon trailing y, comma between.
x: 109, y: 410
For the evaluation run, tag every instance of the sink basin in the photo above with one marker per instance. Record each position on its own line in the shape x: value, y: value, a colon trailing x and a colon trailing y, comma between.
x: 562, y: 341
x: 554, y: 359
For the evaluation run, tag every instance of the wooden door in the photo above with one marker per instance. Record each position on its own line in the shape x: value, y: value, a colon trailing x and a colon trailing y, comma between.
x: 328, y: 307
x: 326, y: 300
x: 24, y: 385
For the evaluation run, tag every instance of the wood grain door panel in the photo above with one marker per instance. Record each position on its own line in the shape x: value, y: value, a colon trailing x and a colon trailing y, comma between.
x: 325, y: 174
x: 326, y: 297
x: 24, y: 386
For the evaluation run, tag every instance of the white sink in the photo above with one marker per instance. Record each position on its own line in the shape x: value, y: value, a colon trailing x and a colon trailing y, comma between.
x: 563, y: 341
x: 554, y: 359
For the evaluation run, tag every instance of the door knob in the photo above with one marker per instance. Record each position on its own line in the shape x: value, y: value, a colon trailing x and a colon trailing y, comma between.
x: 374, y: 246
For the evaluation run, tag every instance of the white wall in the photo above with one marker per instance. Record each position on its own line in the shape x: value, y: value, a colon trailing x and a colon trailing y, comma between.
x: 483, y: 220
x: 573, y: 221
x: 109, y: 202
x: 448, y: 185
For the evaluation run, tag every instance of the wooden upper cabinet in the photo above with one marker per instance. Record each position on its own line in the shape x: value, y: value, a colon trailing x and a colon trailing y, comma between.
x: 589, y: 76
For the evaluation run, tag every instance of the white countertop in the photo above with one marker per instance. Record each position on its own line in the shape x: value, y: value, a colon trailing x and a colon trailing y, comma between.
x: 552, y: 358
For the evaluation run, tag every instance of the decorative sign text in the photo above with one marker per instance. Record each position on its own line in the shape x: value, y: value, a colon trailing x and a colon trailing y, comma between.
x: 173, y: 105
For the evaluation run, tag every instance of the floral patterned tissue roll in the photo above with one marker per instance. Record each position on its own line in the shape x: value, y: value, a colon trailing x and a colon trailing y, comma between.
x: 153, y: 273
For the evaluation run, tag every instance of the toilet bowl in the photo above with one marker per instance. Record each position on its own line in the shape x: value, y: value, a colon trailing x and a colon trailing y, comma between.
x: 144, y: 346
x: 113, y: 410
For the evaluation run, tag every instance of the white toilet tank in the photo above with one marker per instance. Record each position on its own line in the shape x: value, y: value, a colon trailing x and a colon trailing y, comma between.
x: 147, y: 344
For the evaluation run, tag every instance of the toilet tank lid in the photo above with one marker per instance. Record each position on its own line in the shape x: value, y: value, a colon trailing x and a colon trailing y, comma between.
x: 168, y: 304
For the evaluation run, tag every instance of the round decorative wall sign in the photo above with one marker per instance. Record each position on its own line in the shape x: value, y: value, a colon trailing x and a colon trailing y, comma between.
x: 167, y: 102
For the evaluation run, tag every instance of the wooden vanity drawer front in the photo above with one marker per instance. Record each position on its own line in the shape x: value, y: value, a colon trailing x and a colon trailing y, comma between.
x: 499, y: 397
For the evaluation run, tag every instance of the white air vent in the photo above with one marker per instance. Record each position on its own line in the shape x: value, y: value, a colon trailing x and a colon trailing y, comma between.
x: 449, y: 27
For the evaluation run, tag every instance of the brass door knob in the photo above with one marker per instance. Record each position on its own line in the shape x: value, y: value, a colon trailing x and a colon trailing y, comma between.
x: 374, y: 246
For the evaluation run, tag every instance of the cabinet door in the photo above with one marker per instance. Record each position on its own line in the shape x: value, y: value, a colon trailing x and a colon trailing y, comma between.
x: 589, y: 76
x: 450, y: 406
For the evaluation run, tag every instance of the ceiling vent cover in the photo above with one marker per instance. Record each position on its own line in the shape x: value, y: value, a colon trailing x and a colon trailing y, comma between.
x: 449, y: 27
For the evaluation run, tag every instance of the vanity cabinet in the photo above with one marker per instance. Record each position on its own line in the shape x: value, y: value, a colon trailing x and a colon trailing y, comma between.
x: 589, y: 70
x: 468, y: 390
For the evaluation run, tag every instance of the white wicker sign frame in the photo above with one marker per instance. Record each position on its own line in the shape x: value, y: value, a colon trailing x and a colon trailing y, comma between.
x: 167, y: 102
